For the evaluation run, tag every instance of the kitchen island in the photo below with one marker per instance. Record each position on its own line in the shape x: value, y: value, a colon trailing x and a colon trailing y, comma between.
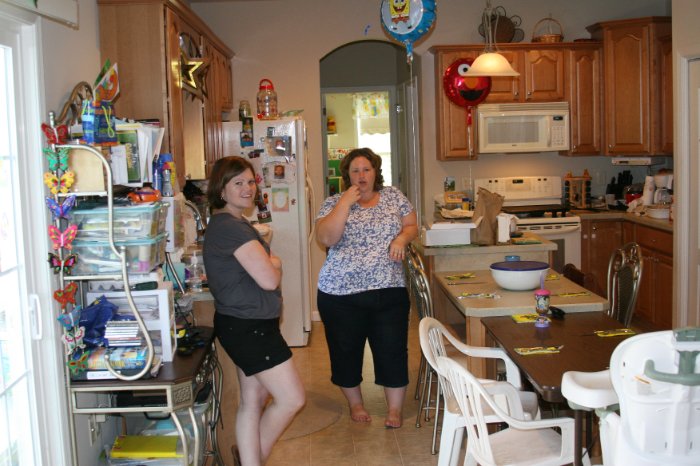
x: 463, y: 314
x: 529, y: 247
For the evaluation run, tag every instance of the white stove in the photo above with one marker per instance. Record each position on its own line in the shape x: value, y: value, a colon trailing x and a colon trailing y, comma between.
x: 537, y: 203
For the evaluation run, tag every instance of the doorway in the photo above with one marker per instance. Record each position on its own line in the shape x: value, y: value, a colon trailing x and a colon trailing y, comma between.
x: 372, y: 82
x: 359, y: 117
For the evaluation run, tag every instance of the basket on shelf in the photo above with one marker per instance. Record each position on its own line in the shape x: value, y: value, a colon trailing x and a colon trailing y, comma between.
x: 550, y: 36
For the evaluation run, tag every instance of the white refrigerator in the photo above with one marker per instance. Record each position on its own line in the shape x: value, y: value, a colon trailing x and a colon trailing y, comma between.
x: 277, y: 150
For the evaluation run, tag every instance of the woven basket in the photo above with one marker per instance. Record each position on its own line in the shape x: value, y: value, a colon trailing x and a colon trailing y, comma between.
x: 550, y: 36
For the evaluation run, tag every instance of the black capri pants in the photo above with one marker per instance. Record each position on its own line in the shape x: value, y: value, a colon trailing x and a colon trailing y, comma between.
x: 378, y: 316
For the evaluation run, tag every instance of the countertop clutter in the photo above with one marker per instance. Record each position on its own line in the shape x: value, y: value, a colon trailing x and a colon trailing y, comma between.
x: 592, y: 214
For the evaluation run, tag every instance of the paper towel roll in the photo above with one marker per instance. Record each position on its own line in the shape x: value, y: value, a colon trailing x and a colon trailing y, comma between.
x: 648, y: 193
x: 505, y: 224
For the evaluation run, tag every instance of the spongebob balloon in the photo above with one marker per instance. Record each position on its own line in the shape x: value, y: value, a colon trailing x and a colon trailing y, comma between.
x: 407, y: 20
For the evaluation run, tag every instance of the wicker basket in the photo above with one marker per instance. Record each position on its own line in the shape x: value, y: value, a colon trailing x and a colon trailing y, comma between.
x: 550, y: 36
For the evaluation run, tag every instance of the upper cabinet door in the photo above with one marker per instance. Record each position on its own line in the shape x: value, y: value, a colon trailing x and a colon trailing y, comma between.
x: 584, y: 93
x: 633, y: 84
x: 544, y: 75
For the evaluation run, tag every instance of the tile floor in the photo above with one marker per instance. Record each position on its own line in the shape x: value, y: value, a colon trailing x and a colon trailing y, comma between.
x: 346, y: 443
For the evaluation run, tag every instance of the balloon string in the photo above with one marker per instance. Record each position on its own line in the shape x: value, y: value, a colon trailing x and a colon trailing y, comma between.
x: 416, y: 163
x: 469, y: 131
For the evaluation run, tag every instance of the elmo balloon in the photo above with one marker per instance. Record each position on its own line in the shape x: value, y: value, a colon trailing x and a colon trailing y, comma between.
x: 463, y: 90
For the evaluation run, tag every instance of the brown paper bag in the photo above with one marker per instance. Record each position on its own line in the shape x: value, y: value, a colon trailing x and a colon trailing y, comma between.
x: 488, y: 206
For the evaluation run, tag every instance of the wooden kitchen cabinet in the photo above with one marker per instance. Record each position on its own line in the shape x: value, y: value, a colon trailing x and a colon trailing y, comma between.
x: 599, y: 238
x: 584, y: 94
x: 541, y: 75
x: 637, y: 117
x: 655, y: 299
x: 146, y: 38
x: 547, y: 74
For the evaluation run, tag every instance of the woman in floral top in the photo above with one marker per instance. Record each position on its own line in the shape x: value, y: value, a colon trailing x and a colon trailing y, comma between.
x: 361, y: 287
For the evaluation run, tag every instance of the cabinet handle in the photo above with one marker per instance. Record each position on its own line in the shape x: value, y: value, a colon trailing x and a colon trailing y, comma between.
x: 594, y: 228
x: 516, y: 93
x: 529, y: 95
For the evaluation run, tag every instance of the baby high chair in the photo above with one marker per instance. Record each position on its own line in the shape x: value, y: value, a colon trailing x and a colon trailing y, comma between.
x: 655, y: 378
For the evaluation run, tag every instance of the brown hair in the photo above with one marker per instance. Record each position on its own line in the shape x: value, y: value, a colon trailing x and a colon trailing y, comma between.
x: 224, y: 169
x: 374, y: 160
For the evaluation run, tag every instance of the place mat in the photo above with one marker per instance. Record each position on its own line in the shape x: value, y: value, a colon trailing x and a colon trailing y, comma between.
x: 573, y: 294
x: 614, y: 332
x: 526, y: 318
x: 479, y: 295
x: 461, y: 276
x: 538, y: 350
x: 524, y: 241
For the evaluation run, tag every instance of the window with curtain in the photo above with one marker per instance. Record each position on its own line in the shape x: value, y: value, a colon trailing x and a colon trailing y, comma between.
x: 373, y: 127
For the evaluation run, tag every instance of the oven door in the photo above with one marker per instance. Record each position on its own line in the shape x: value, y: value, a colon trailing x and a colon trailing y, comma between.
x: 567, y: 237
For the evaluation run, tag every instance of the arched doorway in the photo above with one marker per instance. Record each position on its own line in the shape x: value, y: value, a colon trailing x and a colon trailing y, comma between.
x: 370, y: 91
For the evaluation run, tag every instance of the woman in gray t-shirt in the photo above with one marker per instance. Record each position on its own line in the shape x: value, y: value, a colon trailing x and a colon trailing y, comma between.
x: 244, y: 278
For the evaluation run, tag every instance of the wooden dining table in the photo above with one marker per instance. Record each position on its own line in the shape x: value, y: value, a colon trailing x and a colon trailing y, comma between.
x: 464, y: 314
x: 581, y: 350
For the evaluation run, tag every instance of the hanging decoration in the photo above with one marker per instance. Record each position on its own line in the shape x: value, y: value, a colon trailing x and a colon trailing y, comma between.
x: 407, y: 20
x: 465, y: 91
x: 193, y: 67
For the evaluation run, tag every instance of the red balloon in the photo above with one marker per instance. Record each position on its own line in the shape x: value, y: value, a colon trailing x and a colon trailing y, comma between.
x: 463, y: 90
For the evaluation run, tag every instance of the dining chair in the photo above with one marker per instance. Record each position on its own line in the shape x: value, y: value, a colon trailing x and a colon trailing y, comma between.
x: 624, y: 274
x: 577, y: 276
x: 436, y: 341
x: 419, y: 289
x: 522, y: 442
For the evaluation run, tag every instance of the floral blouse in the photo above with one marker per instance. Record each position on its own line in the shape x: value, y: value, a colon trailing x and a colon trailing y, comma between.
x: 360, y: 260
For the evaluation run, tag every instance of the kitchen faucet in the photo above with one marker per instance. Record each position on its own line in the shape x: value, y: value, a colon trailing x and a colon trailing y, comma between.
x: 199, y: 219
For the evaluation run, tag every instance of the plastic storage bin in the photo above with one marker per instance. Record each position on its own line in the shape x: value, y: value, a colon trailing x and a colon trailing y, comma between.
x: 130, y: 222
x: 97, y: 257
x: 157, y: 310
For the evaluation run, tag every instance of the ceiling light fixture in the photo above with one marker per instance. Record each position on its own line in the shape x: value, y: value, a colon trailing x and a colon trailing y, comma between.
x: 490, y: 62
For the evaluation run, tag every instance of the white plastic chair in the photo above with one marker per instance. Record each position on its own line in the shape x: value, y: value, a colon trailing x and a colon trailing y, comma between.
x: 523, y: 442
x: 433, y: 339
x: 655, y: 378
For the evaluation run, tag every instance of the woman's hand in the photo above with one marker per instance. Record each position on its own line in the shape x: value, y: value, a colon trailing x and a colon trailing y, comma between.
x: 409, y: 231
x: 349, y: 196
x: 397, y: 249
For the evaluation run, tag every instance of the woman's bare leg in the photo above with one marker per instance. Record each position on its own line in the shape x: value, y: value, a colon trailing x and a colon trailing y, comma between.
x: 394, y: 400
x: 358, y: 413
x: 288, y: 397
x: 259, y: 424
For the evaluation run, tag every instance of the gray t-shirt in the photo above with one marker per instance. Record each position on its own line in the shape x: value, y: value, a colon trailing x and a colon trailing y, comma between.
x: 234, y: 290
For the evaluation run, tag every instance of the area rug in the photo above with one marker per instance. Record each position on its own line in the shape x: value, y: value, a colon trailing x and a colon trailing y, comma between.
x: 318, y: 413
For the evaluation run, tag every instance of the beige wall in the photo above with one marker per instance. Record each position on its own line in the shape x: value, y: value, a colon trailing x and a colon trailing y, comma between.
x: 284, y: 41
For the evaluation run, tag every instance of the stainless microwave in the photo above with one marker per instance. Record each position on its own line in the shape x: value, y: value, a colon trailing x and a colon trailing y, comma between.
x: 526, y: 127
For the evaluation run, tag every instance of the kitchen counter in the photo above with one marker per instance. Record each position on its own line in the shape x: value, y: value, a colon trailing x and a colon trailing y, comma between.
x: 472, y: 256
x: 586, y: 214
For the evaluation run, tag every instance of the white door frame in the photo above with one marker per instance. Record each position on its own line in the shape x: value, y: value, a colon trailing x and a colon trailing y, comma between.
x: 686, y: 203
